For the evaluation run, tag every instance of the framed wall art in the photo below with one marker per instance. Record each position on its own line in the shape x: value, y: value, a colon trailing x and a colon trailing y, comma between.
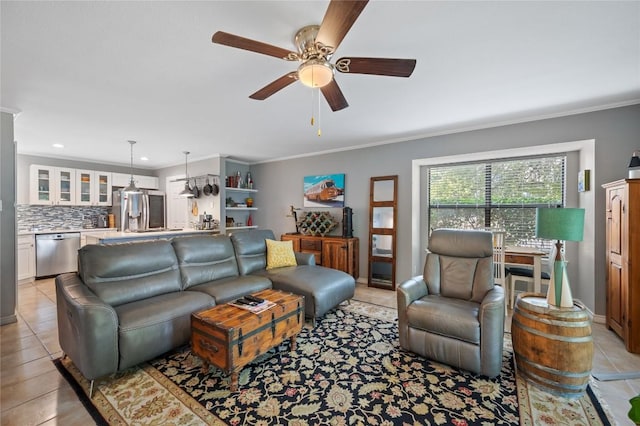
x: 324, y: 190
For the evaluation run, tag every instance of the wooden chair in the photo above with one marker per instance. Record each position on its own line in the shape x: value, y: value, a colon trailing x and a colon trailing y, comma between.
x: 515, y: 273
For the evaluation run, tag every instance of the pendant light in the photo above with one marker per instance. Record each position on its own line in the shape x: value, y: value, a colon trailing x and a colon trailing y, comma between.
x: 132, y: 189
x: 186, y: 192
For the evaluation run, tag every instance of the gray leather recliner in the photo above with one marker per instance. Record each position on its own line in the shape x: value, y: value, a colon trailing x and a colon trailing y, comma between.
x: 454, y: 313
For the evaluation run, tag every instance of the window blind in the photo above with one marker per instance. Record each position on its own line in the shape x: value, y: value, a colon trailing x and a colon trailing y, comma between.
x: 501, y: 194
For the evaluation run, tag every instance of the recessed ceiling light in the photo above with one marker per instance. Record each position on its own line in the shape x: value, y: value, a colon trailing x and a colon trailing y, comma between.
x: 144, y: 159
x: 58, y: 145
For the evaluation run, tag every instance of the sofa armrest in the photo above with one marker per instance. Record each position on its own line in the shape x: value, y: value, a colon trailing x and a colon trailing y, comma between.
x: 87, y: 327
x: 305, y: 258
x: 408, y: 292
x: 491, y: 317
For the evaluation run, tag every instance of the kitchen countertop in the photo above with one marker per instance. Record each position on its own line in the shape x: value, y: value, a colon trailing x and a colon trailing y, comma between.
x: 64, y: 230
x: 118, y: 237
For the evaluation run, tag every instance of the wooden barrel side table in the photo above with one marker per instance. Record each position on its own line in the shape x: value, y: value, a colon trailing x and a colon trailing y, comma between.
x: 553, y: 346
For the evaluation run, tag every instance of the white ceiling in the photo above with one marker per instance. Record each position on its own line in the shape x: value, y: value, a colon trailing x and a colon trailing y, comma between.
x: 91, y: 75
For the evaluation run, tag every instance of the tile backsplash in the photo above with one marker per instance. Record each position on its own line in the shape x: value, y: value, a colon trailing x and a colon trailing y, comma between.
x: 55, y: 217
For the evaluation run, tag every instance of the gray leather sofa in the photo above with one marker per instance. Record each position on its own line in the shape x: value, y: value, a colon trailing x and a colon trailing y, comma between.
x: 454, y: 313
x: 131, y: 302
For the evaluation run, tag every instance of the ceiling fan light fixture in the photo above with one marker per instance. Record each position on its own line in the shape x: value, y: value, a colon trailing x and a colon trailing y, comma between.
x: 315, y: 73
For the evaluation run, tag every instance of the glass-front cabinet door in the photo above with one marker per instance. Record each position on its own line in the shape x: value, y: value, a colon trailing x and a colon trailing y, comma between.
x: 42, y: 187
x: 84, y: 188
x: 382, y: 231
x: 65, y: 188
x: 102, y: 188
x: 52, y: 185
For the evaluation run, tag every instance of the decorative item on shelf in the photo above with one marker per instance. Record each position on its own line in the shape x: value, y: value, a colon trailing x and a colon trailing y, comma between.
x: 230, y: 202
x: 294, y: 214
x: 249, y: 201
x: 249, y: 181
x: 229, y: 221
x: 561, y: 224
x: 249, y: 221
x: 634, y: 165
x: 316, y: 223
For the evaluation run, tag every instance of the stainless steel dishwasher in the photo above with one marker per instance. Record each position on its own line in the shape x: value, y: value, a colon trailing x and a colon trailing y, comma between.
x: 57, y: 253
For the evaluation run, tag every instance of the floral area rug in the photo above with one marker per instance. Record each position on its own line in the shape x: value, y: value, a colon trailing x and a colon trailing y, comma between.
x: 347, y: 370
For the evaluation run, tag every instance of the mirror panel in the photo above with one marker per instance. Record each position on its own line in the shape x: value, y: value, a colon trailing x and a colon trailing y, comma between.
x: 383, y: 217
x: 383, y: 190
x: 382, y: 273
x: 381, y: 245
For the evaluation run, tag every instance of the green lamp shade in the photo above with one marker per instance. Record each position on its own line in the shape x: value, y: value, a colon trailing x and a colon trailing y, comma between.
x: 560, y: 224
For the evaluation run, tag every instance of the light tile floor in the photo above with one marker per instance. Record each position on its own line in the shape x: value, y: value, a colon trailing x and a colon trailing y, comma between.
x: 32, y: 391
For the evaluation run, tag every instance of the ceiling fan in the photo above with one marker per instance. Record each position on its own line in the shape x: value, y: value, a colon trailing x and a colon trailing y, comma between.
x: 316, y: 44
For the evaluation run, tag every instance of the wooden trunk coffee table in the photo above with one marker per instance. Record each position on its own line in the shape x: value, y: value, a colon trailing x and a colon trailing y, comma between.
x: 230, y: 337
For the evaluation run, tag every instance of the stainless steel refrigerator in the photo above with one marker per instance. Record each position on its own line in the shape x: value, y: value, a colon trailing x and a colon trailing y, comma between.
x: 139, y: 212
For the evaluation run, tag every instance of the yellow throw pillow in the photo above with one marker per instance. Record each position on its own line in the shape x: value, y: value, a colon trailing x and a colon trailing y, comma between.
x: 279, y: 254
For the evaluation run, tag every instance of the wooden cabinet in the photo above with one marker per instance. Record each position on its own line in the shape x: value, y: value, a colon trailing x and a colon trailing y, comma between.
x: 26, y: 258
x: 332, y: 252
x: 623, y: 260
x: 52, y: 185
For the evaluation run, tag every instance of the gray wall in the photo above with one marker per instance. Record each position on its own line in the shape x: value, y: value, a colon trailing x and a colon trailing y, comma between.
x: 7, y: 221
x: 616, y: 132
x: 25, y: 161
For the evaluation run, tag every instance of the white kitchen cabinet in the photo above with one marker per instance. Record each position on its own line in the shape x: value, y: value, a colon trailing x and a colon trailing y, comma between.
x: 142, y: 182
x: 93, y: 188
x: 26, y: 258
x: 147, y: 182
x: 52, y: 185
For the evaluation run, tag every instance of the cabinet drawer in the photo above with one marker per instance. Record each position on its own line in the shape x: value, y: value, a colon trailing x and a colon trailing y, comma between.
x: 311, y: 245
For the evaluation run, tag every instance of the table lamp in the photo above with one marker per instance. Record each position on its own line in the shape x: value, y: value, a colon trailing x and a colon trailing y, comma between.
x: 561, y: 224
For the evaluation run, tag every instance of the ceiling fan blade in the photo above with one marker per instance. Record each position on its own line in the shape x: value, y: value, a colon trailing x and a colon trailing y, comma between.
x: 334, y: 96
x: 337, y: 21
x: 220, y: 37
x: 275, y: 86
x: 377, y: 66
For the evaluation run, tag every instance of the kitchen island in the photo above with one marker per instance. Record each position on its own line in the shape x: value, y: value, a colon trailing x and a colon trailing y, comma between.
x: 127, y: 237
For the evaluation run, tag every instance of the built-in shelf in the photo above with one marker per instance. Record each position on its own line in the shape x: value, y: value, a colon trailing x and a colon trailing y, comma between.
x: 240, y: 189
x: 242, y: 208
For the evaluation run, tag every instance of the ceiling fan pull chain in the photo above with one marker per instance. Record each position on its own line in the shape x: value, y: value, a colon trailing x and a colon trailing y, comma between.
x: 312, y: 119
x: 319, y: 117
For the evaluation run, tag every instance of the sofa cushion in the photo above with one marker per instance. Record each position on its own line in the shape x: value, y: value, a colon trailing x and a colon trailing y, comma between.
x: 150, y: 327
x: 203, y: 259
x: 461, y: 316
x: 280, y: 254
x: 124, y: 273
x: 251, y: 249
x: 227, y: 289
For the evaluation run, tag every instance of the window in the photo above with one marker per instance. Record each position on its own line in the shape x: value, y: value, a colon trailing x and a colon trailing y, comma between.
x: 500, y: 194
